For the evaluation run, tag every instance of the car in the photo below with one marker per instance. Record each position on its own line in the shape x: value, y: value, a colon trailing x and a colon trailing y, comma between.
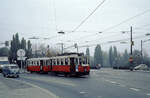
x: 141, y: 67
x: 3, y: 61
x: 10, y: 70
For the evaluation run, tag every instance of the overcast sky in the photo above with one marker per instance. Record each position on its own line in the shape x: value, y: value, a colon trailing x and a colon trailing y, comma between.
x: 44, y: 18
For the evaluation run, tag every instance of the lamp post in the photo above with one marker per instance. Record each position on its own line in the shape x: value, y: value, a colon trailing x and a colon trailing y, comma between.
x: 62, y: 44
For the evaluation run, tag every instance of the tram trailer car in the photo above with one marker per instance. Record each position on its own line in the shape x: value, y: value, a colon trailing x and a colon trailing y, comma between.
x: 68, y: 64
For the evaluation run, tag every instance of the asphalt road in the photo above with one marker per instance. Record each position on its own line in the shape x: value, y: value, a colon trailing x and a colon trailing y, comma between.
x: 103, y: 83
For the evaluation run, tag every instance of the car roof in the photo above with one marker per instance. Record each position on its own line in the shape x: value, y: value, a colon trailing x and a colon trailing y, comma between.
x: 11, y: 65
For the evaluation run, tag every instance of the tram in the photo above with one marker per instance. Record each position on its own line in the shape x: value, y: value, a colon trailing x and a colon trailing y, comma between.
x: 67, y: 64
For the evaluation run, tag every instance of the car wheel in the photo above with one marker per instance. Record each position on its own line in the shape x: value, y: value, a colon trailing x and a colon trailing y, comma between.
x: 17, y: 76
x: 4, y: 75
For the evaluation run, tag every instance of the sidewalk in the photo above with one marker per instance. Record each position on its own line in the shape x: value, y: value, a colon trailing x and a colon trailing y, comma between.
x: 30, y: 92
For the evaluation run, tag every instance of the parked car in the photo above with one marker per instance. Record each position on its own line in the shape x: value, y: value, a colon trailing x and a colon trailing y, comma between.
x: 3, y: 61
x: 10, y: 70
x: 141, y: 67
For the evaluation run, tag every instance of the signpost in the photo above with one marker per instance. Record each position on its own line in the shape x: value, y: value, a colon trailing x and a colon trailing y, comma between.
x: 21, y: 55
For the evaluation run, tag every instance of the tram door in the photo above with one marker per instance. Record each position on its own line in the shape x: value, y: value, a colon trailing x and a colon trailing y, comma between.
x: 41, y: 64
x: 72, y: 65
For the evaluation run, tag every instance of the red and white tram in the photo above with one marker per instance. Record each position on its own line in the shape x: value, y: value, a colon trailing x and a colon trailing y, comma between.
x: 68, y: 64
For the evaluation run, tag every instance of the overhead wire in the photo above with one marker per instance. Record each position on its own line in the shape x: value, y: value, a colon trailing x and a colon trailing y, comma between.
x: 82, y: 22
x: 124, y: 21
x: 55, y: 16
x: 111, y: 42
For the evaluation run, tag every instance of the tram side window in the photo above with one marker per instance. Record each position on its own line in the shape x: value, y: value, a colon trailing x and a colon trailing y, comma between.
x: 57, y: 60
x: 66, y: 61
x: 37, y: 63
x: 51, y: 62
x: 84, y: 60
x: 32, y: 63
x: 47, y: 62
x: 54, y: 63
x: 80, y: 61
x: 76, y: 61
x: 62, y: 63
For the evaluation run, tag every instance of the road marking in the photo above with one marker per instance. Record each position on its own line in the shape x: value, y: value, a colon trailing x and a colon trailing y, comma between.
x: 42, y: 89
x: 99, y: 96
x: 135, y: 89
x: 113, y: 82
x: 82, y: 92
x: 148, y: 94
x: 51, y: 80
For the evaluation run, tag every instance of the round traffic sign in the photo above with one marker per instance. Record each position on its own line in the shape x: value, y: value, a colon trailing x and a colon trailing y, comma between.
x: 21, y: 53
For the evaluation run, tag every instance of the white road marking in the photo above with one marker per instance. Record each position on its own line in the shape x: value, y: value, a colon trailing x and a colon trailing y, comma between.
x: 135, y: 89
x: 113, y: 82
x: 82, y: 92
x: 42, y: 89
x: 148, y: 94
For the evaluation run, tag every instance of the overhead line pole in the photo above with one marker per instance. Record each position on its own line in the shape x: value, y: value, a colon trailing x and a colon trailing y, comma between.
x: 141, y: 51
x: 131, y: 41
x: 131, y: 45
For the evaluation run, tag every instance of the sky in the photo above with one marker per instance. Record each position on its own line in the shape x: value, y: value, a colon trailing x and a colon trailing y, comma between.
x: 44, y: 18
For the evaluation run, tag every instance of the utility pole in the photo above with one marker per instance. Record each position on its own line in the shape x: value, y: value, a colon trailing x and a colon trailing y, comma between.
x: 141, y: 51
x: 76, y: 46
x: 131, y: 58
x: 62, y: 46
x: 131, y: 41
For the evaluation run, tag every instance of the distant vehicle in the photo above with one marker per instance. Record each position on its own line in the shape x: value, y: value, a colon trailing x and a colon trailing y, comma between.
x: 141, y: 67
x: 98, y: 66
x: 10, y: 70
x: 67, y: 64
x: 3, y: 61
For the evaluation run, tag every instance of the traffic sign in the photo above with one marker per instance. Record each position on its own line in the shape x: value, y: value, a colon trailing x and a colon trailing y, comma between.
x: 21, y: 58
x: 21, y: 53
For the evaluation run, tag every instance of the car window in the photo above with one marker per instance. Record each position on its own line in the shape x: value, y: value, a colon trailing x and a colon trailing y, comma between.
x: 13, y: 67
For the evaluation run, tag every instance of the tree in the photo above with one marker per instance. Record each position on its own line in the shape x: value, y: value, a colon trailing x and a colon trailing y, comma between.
x: 115, y: 56
x: 15, y: 45
x: 23, y: 44
x: 88, y: 54
x: 106, y: 59
x: 110, y: 56
x: 29, y: 49
x: 6, y: 43
x: 4, y: 51
x: 98, y: 55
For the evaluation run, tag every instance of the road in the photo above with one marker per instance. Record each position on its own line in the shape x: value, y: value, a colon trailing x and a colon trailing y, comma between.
x: 103, y: 83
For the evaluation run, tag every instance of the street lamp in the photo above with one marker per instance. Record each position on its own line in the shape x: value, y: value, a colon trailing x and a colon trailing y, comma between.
x: 62, y: 44
x: 147, y: 34
x: 61, y: 32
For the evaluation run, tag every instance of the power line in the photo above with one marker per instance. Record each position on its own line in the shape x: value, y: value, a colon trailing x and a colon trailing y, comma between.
x: 140, y: 14
x: 88, y: 16
x: 143, y: 26
x: 115, y: 41
x: 126, y: 20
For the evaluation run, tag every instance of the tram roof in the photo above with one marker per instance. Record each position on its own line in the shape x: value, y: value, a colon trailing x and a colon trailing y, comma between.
x: 43, y: 58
